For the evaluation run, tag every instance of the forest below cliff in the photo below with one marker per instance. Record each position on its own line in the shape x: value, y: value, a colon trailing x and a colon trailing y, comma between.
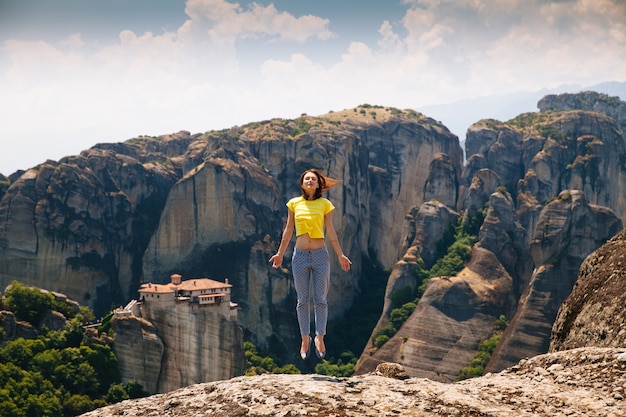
x: 48, y: 367
x: 444, y: 243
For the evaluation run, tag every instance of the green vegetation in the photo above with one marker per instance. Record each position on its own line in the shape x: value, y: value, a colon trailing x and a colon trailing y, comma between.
x: 550, y: 132
x: 527, y: 120
x: 395, y: 111
x: 492, y: 123
x: 458, y: 253
x: 485, y: 351
x: 342, y: 367
x: 302, y: 126
x: 256, y: 364
x: 59, y: 373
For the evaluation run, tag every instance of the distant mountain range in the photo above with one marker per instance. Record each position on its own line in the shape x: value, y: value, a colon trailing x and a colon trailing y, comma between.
x: 459, y: 115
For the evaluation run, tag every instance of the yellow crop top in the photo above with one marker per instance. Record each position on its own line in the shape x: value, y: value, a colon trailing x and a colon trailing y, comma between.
x: 309, y: 215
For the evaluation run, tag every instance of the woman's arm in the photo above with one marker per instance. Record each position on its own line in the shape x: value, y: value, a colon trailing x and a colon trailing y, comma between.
x: 344, y: 261
x: 277, y: 259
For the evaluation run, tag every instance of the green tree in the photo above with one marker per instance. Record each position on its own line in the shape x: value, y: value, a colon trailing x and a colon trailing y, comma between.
x: 135, y: 390
x: 104, y: 362
x: 257, y: 364
x: 21, y: 351
x: 46, y: 362
x: 399, y: 315
x: 116, y: 393
x: 59, y: 373
x: 8, y: 408
x: 342, y: 367
x: 77, y: 404
x: 28, y: 304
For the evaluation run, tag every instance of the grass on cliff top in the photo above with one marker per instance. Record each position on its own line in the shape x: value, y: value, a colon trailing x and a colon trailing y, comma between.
x: 294, y: 128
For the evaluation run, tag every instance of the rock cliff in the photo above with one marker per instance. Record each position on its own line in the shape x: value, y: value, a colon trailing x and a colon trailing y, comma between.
x: 569, y: 229
x: 80, y: 226
x: 224, y: 218
x: 139, y: 350
x: 594, y: 314
x: 587, y: 100
x: 543, y: 190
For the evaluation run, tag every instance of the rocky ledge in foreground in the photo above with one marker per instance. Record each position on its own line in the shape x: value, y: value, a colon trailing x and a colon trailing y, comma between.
x: 579, y: 382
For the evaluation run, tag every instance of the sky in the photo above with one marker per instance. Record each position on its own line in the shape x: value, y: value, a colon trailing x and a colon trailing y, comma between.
x: 74, y: 73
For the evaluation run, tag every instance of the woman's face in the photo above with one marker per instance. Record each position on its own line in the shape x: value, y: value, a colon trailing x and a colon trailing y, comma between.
x: 310, y: 181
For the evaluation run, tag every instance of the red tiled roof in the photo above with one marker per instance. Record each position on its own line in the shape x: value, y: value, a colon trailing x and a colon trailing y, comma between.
x: 197, y: 284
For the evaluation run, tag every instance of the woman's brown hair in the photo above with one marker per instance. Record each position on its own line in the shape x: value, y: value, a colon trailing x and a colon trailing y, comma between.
x: 324, y: 183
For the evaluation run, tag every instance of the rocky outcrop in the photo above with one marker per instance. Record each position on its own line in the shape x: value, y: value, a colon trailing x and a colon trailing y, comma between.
x: 96, y: 225
x: 14, y: 329
x: 587, y: 100
x: 424, y: 228
x: 442, y: 182
x: 465, y: 305
x: 534, y: 186
x: 139, y: 351
x: 213, y: 205
x: 581, y: 382
x: 4, y: 185
x: 199, y: 345
x: 555, y: 152
x: 594, y: 314
x: 224, y: 218
x: 502, y: 234
x: 80, y: 226
x: 570, y: 229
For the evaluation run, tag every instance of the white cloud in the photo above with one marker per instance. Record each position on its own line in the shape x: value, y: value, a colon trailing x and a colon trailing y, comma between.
x: 225, y: 22
x: 491, y: 46
x: 192, y: 78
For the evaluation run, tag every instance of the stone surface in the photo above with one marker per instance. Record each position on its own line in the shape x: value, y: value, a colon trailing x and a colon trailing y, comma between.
x: 587, y: 100
x: 594, y: 313
x: 139, y: 351
x: 569, y: 230
x: 453, y: 316
x: 581, y: 382
x: 536, y: 186
x: 79, y: 225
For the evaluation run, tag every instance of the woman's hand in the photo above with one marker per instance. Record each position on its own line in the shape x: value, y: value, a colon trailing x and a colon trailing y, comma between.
x: 276, y: 260
x: 345, y: 263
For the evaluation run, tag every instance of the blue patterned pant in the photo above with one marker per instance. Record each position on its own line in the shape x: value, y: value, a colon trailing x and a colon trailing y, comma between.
x: 311, y: 267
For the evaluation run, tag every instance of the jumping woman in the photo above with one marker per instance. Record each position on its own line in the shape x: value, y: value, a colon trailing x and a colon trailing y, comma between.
x: 311, y: 214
